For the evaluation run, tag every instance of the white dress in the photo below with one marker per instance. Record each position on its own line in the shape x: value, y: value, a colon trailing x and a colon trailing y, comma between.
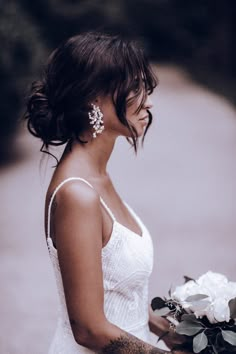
x: 127, y: 262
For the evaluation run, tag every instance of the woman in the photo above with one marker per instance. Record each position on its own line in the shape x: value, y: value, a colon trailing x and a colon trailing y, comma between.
x: 95, y: 88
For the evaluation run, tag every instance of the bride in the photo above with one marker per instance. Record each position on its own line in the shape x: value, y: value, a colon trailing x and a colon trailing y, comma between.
x: 96, y: 87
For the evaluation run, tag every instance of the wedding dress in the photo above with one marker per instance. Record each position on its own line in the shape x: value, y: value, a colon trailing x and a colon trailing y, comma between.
x: 127, y: 262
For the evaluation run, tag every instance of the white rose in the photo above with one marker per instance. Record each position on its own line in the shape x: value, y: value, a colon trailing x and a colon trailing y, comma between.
x: 230, y: 291
x: 183, y: 291
x: 201, y: 308
x: 211, y: 283
x: 211, y: 278
x: 207, y: 311
x: 221, y: 310
x: 219, y: 291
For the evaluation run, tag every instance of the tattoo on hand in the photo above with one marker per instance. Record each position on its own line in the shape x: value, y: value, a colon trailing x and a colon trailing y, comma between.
x: 129, y: 344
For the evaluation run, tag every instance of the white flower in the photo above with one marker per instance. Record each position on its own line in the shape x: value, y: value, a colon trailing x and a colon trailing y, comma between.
x: 219, y: 291
x: 183, y: 291
x: 221, y: 310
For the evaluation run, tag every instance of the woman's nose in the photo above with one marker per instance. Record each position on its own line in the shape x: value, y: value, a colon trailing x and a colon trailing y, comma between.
x: 148, y: 103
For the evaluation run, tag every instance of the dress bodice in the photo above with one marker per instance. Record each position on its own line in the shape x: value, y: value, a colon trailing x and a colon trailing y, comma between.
x: 127, y: 262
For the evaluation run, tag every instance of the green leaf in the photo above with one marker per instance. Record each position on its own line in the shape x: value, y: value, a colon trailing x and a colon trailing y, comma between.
x: 218, y: 341
x: 196, y: 297
x: 186, y: 279
x: 199, y: 342
x: 189, y: 328
x: 229, y: 336
x: 232, y: 307
x: 162, y: 312
x: 189, y: 318
x: 157, y: 303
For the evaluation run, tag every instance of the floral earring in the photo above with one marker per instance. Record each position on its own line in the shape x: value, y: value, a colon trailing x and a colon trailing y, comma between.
x: 95, y: 116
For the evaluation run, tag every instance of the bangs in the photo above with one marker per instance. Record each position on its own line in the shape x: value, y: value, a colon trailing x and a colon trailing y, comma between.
x: 134, y: 75
x: 139, y: 76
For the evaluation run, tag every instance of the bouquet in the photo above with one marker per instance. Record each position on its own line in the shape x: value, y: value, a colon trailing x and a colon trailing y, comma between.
x: 204, y: 310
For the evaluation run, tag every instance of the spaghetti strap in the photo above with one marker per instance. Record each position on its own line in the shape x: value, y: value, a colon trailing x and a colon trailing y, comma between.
x: 56, y: 190
x: 108, y: 209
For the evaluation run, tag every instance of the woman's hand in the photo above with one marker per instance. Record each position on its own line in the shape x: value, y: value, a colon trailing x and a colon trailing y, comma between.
x: 161, y: 327
x: 170, y: 338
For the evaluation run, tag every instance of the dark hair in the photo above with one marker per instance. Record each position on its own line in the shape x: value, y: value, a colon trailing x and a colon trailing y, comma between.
x: 80, y: 69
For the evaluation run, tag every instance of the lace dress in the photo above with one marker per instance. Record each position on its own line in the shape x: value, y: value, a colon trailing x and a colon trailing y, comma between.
x: 127, y: 262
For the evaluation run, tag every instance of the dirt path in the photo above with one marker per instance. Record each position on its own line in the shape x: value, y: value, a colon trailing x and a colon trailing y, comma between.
x: 183, y: 185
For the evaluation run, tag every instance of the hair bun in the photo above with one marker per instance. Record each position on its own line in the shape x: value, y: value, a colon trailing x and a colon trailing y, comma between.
x: 38, y: 113
x: 42, y: 120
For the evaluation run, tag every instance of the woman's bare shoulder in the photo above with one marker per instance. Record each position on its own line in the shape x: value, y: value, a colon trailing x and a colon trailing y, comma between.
x: 73, y: 191
x: 77, y: 191
x: 75, y: 199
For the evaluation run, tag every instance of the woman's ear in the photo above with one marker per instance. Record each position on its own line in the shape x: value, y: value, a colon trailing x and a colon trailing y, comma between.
x: 98, y: 101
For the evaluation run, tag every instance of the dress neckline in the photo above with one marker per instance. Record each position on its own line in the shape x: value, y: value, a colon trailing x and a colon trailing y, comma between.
x: 129, y: 230
x: 135, y: 217
x: 116, y: 223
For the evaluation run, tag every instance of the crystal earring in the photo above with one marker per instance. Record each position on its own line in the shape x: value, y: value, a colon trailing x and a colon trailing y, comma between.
x: 95, y: 116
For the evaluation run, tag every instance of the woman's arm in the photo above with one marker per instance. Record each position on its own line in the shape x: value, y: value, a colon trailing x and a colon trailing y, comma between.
x: 77, y: 221
x: 127, y: 344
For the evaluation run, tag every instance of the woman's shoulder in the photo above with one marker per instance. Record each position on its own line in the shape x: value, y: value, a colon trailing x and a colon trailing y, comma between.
x: 72, y: 190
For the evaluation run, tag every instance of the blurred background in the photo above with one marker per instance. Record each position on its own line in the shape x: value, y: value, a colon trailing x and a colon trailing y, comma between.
x: 182, y: 184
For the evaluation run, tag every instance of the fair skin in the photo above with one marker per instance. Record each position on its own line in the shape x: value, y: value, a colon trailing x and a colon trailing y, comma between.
x: 80, y: 228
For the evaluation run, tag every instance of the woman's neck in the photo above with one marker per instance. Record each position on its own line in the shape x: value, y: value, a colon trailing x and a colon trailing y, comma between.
x: 93, y: 156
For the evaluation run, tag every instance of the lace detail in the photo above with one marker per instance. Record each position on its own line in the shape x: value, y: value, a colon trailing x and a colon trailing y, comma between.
x: 127, y: 262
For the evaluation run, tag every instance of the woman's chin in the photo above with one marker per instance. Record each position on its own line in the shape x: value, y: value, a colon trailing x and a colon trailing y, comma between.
x: 139, y: 134
x: 140, y: 129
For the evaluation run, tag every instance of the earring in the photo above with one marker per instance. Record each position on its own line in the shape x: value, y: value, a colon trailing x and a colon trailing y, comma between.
x: 95, y: 116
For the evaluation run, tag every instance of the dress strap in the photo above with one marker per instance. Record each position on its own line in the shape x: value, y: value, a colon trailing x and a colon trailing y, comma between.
x: 56, y: 190
x: 108, y: 209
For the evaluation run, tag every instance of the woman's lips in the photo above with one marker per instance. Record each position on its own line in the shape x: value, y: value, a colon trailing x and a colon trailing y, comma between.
x: 145, y: 119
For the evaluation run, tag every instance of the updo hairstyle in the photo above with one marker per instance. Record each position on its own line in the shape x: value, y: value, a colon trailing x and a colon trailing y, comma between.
x: 80, y: 69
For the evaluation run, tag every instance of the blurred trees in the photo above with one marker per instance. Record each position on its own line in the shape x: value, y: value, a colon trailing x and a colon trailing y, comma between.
x: 22, y: 53
x: 196, y: 34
